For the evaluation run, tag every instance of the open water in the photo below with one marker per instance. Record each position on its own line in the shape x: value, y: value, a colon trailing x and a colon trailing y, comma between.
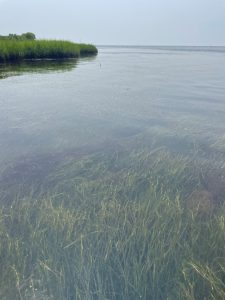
x: 174, y: 94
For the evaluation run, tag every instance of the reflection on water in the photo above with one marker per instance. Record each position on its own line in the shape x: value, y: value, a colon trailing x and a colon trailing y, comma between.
x: 36, y: 66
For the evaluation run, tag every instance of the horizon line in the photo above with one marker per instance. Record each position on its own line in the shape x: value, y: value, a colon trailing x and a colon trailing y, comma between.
x: 147, y: 45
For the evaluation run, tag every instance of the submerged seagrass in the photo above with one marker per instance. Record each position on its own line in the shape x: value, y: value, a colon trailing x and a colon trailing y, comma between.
x: 112, y: 225
x: 11, y: 50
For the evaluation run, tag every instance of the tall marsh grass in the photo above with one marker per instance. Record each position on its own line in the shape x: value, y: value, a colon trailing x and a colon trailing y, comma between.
x: 11, y: 50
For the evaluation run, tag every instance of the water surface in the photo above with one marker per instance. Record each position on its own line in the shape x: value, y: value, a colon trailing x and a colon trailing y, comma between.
x: 170, y: 94
x: 112, y: 176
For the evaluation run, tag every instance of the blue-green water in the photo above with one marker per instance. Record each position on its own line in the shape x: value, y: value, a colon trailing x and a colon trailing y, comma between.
x: 123, y: 93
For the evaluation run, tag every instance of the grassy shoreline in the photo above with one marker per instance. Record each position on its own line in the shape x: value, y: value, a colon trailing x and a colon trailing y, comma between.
x: 14, y: 50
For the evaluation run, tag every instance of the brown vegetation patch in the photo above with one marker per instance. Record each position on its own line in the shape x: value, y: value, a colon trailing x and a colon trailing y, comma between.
x: 201, y: 202
x: 214, y: 181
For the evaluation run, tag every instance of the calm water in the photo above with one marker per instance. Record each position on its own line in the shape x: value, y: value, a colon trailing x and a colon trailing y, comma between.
x: 141, y: 218
x: 122, y: 94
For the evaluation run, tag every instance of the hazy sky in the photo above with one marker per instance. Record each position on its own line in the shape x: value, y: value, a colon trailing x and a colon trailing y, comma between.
x: 141, y: 22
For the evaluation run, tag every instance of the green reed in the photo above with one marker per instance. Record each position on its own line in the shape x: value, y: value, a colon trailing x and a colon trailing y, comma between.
x: 12, y: 50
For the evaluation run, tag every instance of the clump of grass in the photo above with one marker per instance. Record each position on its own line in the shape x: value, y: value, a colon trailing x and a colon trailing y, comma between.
x: 13, y: 50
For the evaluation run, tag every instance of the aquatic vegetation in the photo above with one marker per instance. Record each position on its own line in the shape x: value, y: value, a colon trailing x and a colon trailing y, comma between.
x: 13, y: 50
x: 114, y: 225
x: 201, y: 202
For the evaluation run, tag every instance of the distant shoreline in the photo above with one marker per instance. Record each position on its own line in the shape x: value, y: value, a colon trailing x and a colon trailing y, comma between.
x: 160, y: 46
x: 214, y: 49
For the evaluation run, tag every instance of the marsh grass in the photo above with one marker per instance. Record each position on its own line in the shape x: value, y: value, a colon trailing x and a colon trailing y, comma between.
x: 114, y: 225
x: 13, y: 50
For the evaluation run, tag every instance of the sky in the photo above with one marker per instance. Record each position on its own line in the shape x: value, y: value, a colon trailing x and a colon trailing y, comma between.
x: 118, y: 22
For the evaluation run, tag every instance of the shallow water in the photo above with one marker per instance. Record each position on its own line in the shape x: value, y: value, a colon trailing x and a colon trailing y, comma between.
x: 122, y: 94
x: 112, y: 175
